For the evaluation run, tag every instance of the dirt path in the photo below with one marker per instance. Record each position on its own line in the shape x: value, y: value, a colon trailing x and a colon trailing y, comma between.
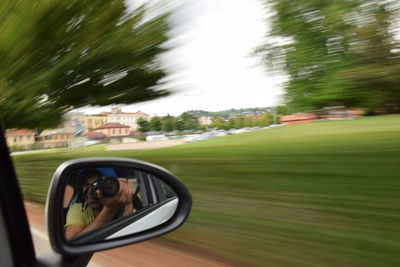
x: 146, y: 254
x: 145, y: 145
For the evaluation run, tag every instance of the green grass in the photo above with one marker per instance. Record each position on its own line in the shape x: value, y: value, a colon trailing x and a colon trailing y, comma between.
x: 319, y: 194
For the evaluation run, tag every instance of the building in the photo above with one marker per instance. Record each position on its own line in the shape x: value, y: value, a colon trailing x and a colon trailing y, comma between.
x: 126, y: 118
x: 338, y: 113
x: 355, y: 113
x: 299, y: 118
x: 205, y: 120
x: 113, y: 129
x: 94, y: 121
x: 60, y: 137
x: 95, y: 135
x: 20, y: 138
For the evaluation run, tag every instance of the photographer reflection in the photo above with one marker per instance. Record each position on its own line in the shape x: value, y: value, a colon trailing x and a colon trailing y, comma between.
x: 105, y: 198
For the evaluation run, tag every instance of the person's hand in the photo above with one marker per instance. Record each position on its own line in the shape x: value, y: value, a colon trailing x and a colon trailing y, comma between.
x: 128, y: 208
x: 120, y: 200
x: 127, y: 188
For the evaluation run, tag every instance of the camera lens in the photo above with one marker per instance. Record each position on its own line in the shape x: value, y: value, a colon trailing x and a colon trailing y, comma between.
x: 109, y: 186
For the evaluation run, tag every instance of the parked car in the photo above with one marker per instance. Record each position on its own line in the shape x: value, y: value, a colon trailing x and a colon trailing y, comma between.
x: 159, y: 137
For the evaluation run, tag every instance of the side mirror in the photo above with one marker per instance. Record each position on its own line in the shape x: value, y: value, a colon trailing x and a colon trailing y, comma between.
x: 102, y: 203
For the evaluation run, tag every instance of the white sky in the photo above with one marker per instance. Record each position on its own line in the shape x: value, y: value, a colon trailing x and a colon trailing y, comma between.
x: 212, y: 67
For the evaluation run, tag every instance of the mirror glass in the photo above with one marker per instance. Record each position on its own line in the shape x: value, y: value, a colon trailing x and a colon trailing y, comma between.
x: 107, y: 202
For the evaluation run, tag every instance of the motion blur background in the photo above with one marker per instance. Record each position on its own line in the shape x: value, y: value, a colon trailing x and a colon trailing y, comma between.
x: 301, y: 97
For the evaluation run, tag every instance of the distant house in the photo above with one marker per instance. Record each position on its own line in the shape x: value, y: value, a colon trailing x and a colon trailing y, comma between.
x: 113, y: 129
x: 339, y: 112
x: 126, y: 118
x: 20, y: 138
x: 94, y: 121
x: 205, y: 120
x: 355, y: 113
x: 299, y: 118
x: 60, y: 137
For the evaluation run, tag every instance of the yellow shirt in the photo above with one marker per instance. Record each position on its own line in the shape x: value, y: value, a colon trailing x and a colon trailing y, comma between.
x: 76, y: 216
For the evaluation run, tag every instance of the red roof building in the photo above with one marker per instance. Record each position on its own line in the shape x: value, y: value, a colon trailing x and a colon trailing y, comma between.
x: 299, y: 118
x: 20, y: 137
x: 19, y: 132
x: 113, y: 129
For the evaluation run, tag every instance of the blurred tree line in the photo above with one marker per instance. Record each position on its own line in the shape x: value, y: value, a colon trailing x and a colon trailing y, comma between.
x: 169, y: 123
x: 242, y: 121
x: 229, y: 113
x: 189, y: 122
x: 336, y: 53
x: 60, y: 55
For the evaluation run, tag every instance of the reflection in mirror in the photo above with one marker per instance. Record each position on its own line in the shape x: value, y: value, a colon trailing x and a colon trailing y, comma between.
x: 108, y: 202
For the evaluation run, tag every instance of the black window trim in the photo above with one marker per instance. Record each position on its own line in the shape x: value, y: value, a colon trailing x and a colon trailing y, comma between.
x: 13, y: 210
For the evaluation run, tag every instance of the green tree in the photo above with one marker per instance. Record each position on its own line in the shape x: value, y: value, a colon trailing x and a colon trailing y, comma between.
x: 189, y: 123
x: 265, y: 119
x: 168, y: 123
x: 283, y: 110
x: 144, y: 125
x: 155, y: 124
x: 248, y: 121
x: 219, y: 123
x: 180, y: 124
x: 336, y: 53
x: 60, y: 55
x: 239, y: 122
x: 230, y: 123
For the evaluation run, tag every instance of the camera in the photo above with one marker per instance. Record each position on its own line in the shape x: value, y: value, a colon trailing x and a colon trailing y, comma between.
x: 108, y: 186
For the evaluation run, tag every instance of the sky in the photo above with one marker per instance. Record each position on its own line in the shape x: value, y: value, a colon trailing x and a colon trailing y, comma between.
x: 211, y: 66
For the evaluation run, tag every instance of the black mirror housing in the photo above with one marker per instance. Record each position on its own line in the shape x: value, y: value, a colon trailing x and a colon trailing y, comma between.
x: 55, y: 198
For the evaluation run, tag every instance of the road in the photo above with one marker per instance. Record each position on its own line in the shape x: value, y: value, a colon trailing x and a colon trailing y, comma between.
x: 146, y: 254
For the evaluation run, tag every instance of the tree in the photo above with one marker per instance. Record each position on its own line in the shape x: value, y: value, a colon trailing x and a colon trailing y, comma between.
x: 248, y: 121
x: 144, y: 125
x: 219, y: 123
x: 155, y: 124
x: 180, y: 124
x: 239, y: 122
x: 189, y: 123
x: 231, y: 123
x: 265, y: 119
x: 336, y: 53
x: 60, y: 55
x: 168, y: 123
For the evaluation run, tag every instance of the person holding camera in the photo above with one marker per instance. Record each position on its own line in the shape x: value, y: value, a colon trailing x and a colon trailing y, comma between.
x: 99, y: 206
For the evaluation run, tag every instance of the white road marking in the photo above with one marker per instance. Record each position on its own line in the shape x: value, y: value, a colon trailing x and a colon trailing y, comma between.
x: 42, y: 247
x: 39, y: 233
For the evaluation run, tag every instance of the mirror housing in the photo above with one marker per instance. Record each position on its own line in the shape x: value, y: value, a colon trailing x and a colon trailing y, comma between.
x: 54, y: 204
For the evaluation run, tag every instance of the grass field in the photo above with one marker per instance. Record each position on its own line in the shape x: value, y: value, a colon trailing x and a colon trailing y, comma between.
x: 319, y: 194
